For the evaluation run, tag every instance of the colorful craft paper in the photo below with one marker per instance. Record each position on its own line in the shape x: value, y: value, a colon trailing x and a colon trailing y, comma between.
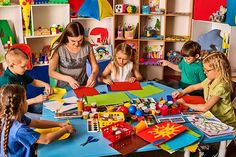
x: 85, y: 91
x: 108, y: 99
x: 180, y: 141
x: 147, y: 91
x: 193, y: 99
x: 50, y: 130
x: 161, y: 132
x: 124, y: 86
x: 58, y: 94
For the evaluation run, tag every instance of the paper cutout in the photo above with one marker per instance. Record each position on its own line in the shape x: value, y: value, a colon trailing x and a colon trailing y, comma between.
x: 124, y: 86
x: 50, y: 130
x: 108, y: 99
x: 85, y: 91
x: 161, y: 133
x: 129, y: 144
x: 58, y: 94
x: 147, y: 91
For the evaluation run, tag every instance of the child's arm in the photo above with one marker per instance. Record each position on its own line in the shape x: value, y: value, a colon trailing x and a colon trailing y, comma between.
x: 53, y: 63
x: 95, y: 69
x: 137, y: 74
x: 46, y: 124
x: 39, y: 83
x: 169, y: 64
x: 187, y: 90
x: 105, y: 73
x: 50, y: 137
x: 201, y: 107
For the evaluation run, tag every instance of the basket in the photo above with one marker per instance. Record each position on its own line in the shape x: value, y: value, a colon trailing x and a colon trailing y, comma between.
x: 112, y: 118
x: 126, y: 131
x: 171, y: 111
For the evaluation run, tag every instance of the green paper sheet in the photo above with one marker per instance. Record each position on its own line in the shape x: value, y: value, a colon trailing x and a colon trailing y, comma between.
x: 108, y: 99
x: 147, y: 91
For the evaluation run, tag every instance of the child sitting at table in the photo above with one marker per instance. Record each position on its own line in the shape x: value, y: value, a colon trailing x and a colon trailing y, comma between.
x: 17, y: 137
x: 190, y: 66
x: 122, y: 68
x: 217, y: 88
x: 17, y: 61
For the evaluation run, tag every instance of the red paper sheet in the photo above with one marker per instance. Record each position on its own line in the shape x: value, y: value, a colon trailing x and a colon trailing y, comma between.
x: 161, y: 133
x: 85, y: 91
x: 124, y: 86
x: 194, y: 99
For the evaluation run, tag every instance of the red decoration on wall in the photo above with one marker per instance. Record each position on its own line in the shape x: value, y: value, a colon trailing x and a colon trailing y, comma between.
x: 204, y: 8
x: 103, y: 32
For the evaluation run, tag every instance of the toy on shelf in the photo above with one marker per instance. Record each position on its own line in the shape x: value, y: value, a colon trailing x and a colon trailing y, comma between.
x: 154, y: 5
x: 120, y: 8
x: 25, y: 5
x: 177, y: 38
x: 174, y: 56
x: 129, y: 31
x: 145, y: 9
x: 219, y: 15
x: 5, y: 2
x: 120, y: 32
x: 40, y: 1
x: 41, y: 31
x: 58, y: 1
x: 152, y: 28
x: 152, y: 54
x: 131, y: 9
x: 56, y: 29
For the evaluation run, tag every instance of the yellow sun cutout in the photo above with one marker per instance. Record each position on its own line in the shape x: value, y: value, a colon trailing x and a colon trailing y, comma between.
x: 165, y: 131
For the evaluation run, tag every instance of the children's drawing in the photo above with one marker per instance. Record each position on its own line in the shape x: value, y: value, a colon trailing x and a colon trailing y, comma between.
x: 103, y: 52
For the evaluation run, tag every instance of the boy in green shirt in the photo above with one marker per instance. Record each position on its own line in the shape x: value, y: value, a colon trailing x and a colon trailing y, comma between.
x: 191, y: 67
x: 17, y: 62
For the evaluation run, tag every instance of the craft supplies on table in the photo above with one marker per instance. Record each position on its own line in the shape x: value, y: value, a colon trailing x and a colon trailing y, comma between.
x: 117, y: 131
x: 92, y: 125
x: 107, y: 118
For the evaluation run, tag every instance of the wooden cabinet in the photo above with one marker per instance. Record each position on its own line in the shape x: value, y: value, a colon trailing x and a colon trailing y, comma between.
x: 165, y: 28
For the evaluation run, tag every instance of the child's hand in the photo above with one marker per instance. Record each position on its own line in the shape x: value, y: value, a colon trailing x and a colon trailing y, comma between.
x: 40, y: 98
x: 48, y: 89
x: 91, y: 81
x: 108, y: 81
x: 132, y: 79
x: 73, y: 83
x: 176, y: 94
x: 164, y: 62
x: 181, y: 101
x: 70, y: 129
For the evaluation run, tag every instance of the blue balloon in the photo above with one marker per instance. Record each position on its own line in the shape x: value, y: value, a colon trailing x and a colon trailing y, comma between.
x: 139, y: 113
x: 132, y: 109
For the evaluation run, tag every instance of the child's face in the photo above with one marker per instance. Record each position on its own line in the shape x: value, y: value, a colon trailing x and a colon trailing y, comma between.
x: 75, y: 42
x: 189, y: 59
x: 210, y: 72
x: 121, y: 58
x: 19, y: 68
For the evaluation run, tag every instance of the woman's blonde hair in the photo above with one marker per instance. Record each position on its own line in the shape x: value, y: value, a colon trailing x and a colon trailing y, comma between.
x: 12, y: 98
x: 220, y: 63
x: 125, y: 49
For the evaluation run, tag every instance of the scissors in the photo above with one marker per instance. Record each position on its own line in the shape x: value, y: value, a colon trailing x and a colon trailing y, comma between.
x: 90, y: 140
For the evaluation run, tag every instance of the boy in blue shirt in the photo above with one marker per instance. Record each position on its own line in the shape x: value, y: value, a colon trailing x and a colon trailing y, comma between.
x: 17, y: 62
x: 191, y: 67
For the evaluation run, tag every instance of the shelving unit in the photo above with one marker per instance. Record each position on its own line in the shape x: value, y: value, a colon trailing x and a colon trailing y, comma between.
x: 12, y: 14
x: 201, y: 27
x: 175, y: 29
x: 45, y: 15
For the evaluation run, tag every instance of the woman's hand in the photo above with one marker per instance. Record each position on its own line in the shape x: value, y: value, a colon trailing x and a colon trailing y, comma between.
x: 132, y: 79
x: 176, y: 94
x: 73, y: 83
x: 108, y: 81
x: 91, y: 81
x: 181, y: 101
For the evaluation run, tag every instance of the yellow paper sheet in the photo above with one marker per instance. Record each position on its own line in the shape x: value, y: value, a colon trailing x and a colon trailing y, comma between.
x: 50, y: 130
x: 58, y: 94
